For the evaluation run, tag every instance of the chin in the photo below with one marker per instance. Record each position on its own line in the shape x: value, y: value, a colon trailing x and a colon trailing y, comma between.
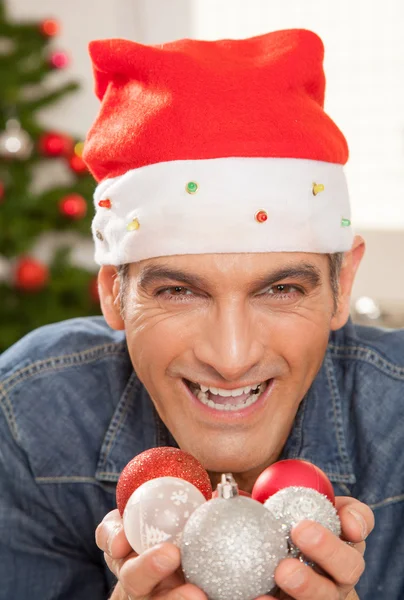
x: 223, y: 458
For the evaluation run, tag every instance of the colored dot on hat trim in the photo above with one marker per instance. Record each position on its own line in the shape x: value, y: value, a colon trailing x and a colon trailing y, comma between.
x: 99, y: 235
x: 192, y: 187
x: 105, y: 203
x: 261, y: 216
x: 133, y: 225
x: 345, y: 222
x: 317, y: 188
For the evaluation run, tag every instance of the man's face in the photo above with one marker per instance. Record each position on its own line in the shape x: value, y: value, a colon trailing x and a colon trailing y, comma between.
x: 200, y: 327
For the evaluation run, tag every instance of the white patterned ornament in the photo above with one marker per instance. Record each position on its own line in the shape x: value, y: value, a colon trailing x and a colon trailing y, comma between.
x: 158, y: 510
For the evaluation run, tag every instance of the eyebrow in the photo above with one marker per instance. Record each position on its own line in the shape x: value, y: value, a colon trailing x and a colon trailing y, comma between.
x: 305, y: 272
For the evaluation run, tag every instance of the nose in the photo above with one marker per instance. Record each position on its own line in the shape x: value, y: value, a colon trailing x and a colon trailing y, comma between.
x: 230, y: 342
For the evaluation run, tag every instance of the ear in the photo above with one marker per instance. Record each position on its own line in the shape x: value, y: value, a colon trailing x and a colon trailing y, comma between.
x: 352, y: 260
x: 108, y: 286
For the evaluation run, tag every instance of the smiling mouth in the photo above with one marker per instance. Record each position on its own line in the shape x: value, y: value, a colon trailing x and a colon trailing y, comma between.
x: 228, y: 400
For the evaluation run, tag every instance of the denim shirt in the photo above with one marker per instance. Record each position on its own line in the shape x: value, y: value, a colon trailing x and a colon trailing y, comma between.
x: 73, y: 413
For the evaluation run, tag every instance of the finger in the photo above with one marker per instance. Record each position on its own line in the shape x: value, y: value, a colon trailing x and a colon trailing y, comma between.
x: 357, y: 519
x: 301, y: 583
x: 187, y: 591
x: 341, y: 561
x: 141, y: 574
x: 110, y: 536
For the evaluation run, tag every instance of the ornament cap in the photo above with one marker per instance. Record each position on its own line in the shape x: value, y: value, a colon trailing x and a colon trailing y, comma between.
x: 228, y: 487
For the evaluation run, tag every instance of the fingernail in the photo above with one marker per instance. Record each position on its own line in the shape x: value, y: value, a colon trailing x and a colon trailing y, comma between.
x: 165, y: 561
x: 112, y: 528
x: 361, y: 522
x: 295, y: 579
x: 308, y: 534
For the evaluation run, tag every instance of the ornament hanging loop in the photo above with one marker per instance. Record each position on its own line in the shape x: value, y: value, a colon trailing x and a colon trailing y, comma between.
x: 228, y: 487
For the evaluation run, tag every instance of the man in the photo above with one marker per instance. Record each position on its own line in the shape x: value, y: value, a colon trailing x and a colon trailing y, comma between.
x: 227, y: 258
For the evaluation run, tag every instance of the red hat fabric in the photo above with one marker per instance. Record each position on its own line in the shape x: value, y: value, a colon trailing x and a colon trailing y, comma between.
x: 247, y: 112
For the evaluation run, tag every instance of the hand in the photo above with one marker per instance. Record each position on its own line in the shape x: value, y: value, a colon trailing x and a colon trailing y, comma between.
x: 341, y: 563
x: 154, y: 573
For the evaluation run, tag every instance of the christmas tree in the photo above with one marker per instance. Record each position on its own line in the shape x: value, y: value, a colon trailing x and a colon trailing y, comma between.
x: 43, y: 224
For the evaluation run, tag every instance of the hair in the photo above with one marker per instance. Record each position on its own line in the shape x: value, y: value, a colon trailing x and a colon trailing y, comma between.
x: 334, y: 261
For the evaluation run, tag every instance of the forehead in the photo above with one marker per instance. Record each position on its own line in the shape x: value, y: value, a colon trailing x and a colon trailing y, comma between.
x: 233, y: 267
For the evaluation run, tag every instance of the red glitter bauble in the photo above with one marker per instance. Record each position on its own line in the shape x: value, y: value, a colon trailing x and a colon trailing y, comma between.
x: 73, y: 206
x: 59, y: 60
x: 55, y: 144
x: 161, y: 462
x: 292, y: 472
x: 49, y: 27
x: 30, y: 275
x: 77, y: 164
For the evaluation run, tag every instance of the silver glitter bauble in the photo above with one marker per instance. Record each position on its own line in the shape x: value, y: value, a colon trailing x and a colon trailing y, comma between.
x: 15, y: 142
x: 294, y: 504
x: 231, y: 547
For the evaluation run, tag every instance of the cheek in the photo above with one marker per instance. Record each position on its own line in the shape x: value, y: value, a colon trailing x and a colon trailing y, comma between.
x: 155, y: 339
x: 302, y: 342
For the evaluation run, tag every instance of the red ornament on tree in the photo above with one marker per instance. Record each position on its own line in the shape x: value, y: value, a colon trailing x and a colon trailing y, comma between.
x: 55, y: 144
x: 160, y: 462
x: 30, y: 275
x: 59, y: 60
x: 2, y: 191
x: 287, y: 473
x: 73, y: 206
x: 49, y: 27
x: 77, y: 164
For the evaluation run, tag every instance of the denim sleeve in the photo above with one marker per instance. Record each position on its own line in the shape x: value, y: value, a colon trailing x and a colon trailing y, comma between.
x: 39, y: 558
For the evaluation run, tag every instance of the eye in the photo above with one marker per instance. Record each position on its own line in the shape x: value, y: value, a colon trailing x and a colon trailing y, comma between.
x: 176, y: 291
x: 283, y: 291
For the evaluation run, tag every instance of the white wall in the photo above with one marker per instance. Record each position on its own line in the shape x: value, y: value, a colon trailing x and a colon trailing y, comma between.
x: 365, y: 93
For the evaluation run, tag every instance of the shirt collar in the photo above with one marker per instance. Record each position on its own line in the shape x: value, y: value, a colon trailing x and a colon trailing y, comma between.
x: 318, y: 434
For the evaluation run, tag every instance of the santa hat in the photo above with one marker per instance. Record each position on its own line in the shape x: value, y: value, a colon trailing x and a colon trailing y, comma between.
x: 207, y: 147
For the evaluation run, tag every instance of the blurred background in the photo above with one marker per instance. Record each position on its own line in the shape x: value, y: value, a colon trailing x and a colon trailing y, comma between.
x: 47, y: 104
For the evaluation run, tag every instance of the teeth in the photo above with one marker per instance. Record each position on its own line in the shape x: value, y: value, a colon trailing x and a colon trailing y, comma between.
x: 227, y: 393
x: 202, y: 396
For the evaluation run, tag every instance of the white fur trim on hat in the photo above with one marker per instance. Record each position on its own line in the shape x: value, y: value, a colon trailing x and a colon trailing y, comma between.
x: 220, y: 216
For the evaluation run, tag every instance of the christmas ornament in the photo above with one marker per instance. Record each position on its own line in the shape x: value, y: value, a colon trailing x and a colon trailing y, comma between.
x: 294, y: 504
x: 160, y: 462
x: 215, y: 493
x: 59, y: 60
x: 73, y: 206
x: 230, y: 548
x: 49, y: 27
x: 291, y: 472
x: 2, y: 191
x: 158, y: 510
x: 30, y: 275
x: 15, y: 142
x: 77, y: 165
x: 55, y: 144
